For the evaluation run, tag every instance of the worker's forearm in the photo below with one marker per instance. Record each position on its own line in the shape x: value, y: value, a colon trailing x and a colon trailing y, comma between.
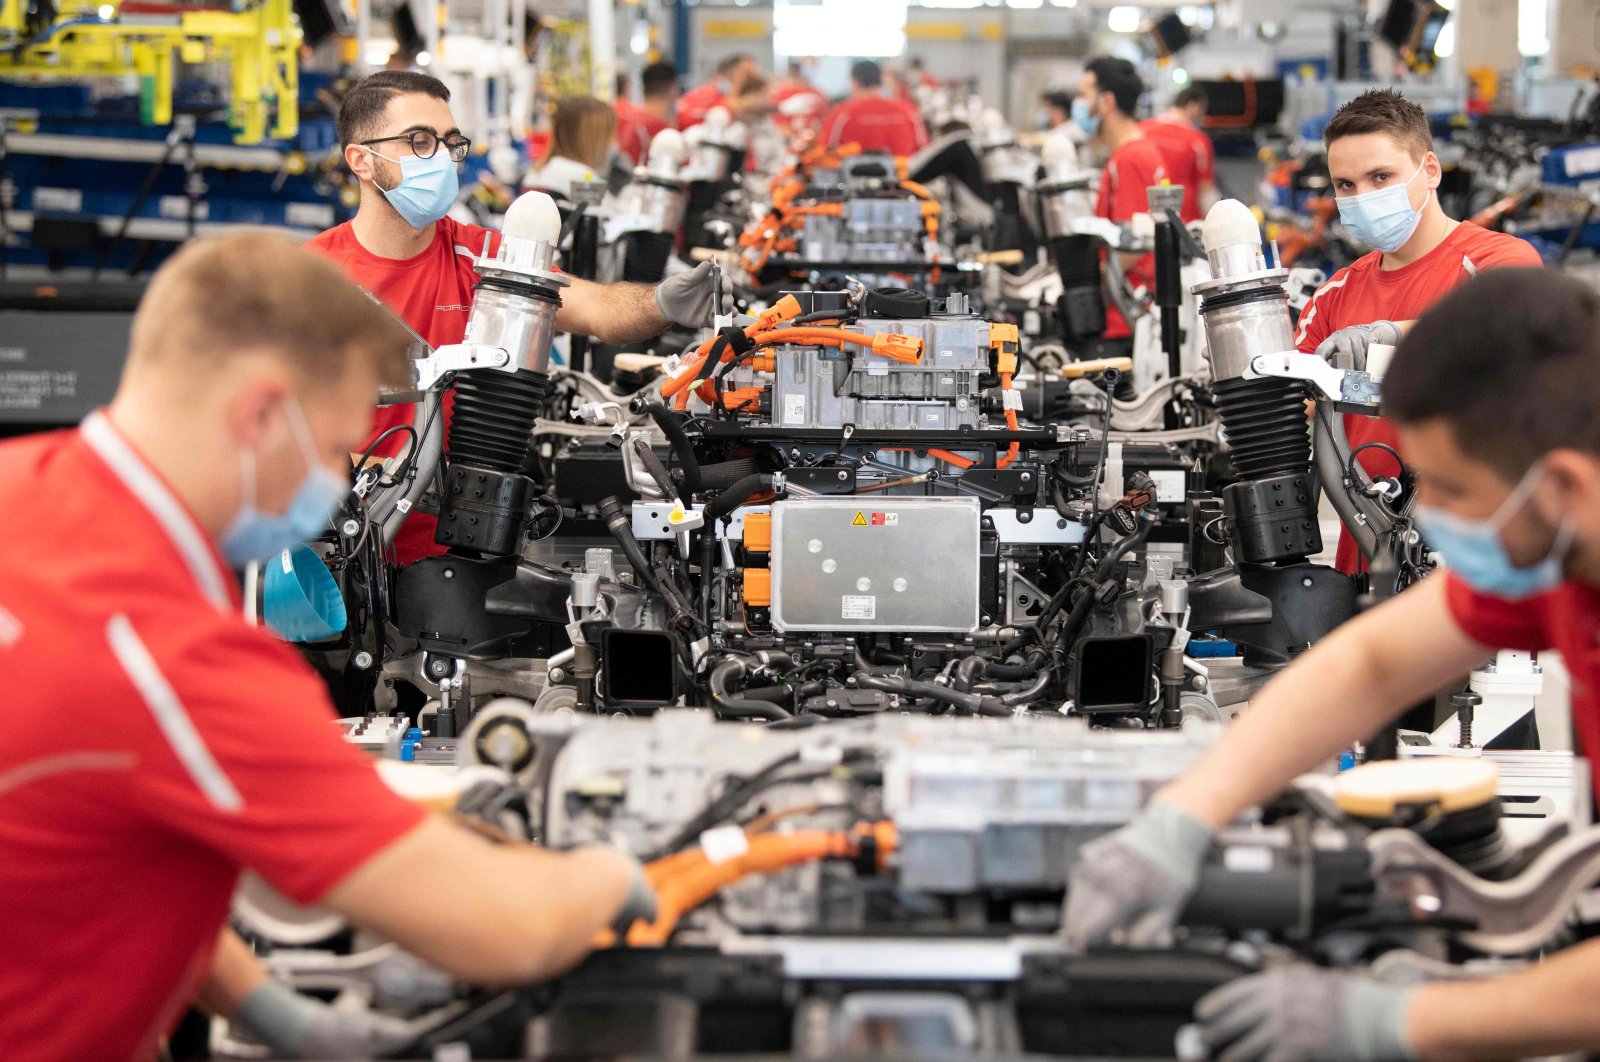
x: 575, y: 905
x: 611, y: 313
x: 235, y: 973
x: 1341, y: 691
x: 1546, y: 1010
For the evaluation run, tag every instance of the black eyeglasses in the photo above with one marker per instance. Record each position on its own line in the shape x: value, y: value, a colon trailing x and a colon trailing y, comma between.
x: 424, y: 144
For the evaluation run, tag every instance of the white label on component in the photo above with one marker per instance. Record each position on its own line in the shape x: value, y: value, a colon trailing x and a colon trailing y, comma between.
x: 859, y: 607
x: 1170, y: 484
x: 309, y: 215
x: 724, y: 843
x: 1582, y: 162
x: 794, y: 409
x: 177, y: 207
x: 288, y: 563
x: 1252, y: 859
x: 69, y: 200
x: 1010, y: 399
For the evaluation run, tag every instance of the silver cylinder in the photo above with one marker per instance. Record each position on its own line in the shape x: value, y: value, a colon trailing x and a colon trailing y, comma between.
x: 1236, y: 334
x: 662, y: 201
x: 520, y: 324
x: 1062, y: 203
x: 1236, y: 259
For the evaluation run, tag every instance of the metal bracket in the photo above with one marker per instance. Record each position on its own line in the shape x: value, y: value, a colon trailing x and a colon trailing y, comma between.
x: 430, y: 370
x: 1512, y: 917
x: 1347, y: 387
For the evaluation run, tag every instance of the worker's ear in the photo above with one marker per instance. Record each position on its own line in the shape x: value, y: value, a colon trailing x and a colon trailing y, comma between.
x: 359, y: 159
x: 255, y: 413
x: 1570, y: 488
x: 1433, y: 169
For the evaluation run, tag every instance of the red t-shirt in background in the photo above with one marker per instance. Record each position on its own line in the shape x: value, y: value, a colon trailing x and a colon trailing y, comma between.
x: 877, y: 124
x: 694, y: 105
x: 1191, y: 160
x: 1566, y: 619
x: 157, y: 745
x: 1129, y: 172
x: 810, y: 118
x: 636, y: 127
x: 1363, y: 292
x: 431, y: 292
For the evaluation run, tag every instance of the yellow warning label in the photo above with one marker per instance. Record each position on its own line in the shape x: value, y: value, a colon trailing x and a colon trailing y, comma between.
x: 859, y: 521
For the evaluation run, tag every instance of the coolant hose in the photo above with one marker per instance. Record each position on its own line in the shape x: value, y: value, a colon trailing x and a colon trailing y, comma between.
x: 737, y: 495
x: 972, y: 702
x: 1361, y: 515
x: 621, y: 528
x: 732, y: 705
x: 682, y: 448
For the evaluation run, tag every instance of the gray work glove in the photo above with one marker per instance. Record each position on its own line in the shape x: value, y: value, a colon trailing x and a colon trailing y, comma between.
x: 689, y: 298
x: 1135, y: 880
x: 297, y: 1026
x: 1347, y: 348
x: 1305, y: 1014
x: 640, y: 904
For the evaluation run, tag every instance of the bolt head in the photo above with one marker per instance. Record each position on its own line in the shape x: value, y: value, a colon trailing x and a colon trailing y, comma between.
x: 350, y: 528
x: 363, y: 660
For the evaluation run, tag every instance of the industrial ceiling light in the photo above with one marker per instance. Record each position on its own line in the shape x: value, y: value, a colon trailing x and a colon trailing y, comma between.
x: 1124, y: 19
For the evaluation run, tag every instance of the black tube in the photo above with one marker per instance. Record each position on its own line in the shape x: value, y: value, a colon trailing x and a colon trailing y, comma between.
x: 667, y: 421
x: 969, y: 671
x: 1026, y: 694
x: 652, y: 464
x: 737, y: 707
x: 1169, y: 292
x: 708, y: 561
x: 621, y: 528
x: 737, y: 495
x: 972, y: 702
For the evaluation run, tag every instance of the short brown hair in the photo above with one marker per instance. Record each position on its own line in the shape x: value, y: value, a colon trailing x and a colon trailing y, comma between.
x: 1383, y: 111
x: 1511, y: 361
x: 361, y: 110
x: 583, y: 130
x: 259, y: 290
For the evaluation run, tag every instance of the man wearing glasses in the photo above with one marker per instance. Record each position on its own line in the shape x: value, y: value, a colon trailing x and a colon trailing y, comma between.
x: 402, y: 143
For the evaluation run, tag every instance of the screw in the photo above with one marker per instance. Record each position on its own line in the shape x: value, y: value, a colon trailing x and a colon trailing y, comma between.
x: 557, y: 675
x: 1027, y: 477
x: 1306, y: 582
x: 350, y: 528
x: 363, y: 660
x: 843, y: 475
x: 449, y: 573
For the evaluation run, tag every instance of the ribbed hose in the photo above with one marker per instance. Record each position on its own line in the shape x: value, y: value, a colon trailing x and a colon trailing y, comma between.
x: 492, y: 421
x: 1265, y: 420
x: 1083, y: 307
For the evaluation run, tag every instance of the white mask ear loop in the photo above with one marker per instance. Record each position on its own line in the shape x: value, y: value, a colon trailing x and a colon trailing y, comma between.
x: 302, y: 433
x: 375, y: 153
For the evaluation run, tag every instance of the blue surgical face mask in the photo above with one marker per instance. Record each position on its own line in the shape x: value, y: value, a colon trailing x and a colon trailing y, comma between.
x: 1383, y: 219
x: 1473, y: 550
x: 259, y: 536
x: 1089, y: 123
x: 427, y: 187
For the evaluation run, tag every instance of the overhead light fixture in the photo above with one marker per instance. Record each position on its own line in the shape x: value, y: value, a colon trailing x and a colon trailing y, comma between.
x: 1124, y: 19
x: 107, y: 12
x: 1445, y: 46
x: 1180, y: 76
x: 424, y: 58
x: 1024, y: 5
x: 1533, y: 28
x: 1064, y: 3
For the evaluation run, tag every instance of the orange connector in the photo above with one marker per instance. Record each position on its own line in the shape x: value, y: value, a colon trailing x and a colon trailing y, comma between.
x: 1005, y: 341
x: 741, y: 399
x: 898, y: 347
x: 757, y: 586
x: 758, y: 533
x: 785, y: 309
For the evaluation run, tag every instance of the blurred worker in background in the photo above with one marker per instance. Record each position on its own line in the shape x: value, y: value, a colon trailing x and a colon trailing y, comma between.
x: 136, y: 786
x: 874, y: 122
x: 727, y: 89
x: 1494, y: 393
x: 583, y: 134
x: 1191, y: 157
x: 638, y: 123
x: 918, y: 78
x: 1385, y: 176
x: 799, y: 104
x: 1055, y: 114
x: 401, y: 142
x: 1108, y: 97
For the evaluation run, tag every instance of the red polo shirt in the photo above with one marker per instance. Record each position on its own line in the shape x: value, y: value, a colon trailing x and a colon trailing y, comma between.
x: 432, y: 293
x: 1566, y: 619
x: 694, y: 105
x: 157, y: 745
x: 1363, y: 292
x: 877, y: 124
x: 1191, y: 159
x: 1129, y: 173
x: 636, y: 127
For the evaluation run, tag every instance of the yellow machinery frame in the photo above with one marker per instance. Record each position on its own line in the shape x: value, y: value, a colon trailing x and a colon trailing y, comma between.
x: 260, y: 45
